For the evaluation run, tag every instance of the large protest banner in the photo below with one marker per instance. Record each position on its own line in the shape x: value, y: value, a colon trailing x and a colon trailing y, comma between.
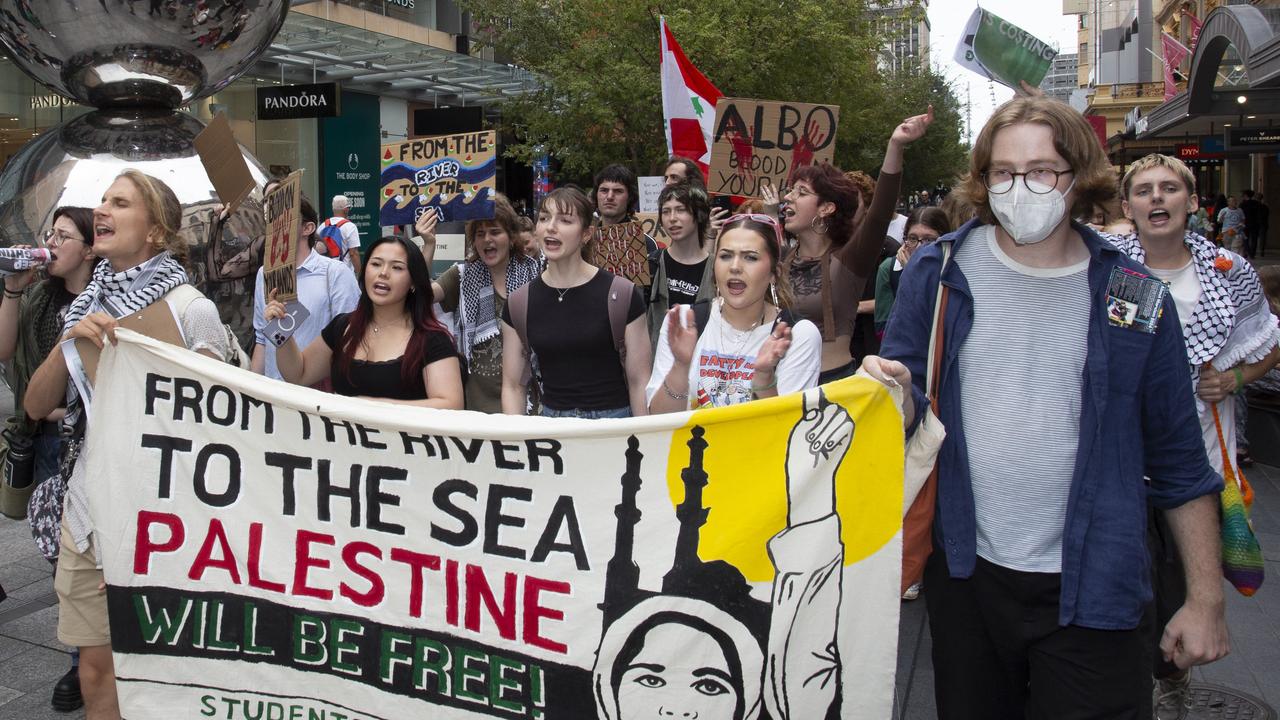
x: 273, y: 551
x: 283, y: 213
x: 996, y: 48
x: 761, y: 143
x: 454, y: 174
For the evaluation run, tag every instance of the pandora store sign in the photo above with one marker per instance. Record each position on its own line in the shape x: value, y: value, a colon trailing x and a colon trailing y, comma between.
x: 290, y: 102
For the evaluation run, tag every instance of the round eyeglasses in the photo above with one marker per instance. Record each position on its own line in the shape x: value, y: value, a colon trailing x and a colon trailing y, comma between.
x: 999, y: 182
x: 55, y: 238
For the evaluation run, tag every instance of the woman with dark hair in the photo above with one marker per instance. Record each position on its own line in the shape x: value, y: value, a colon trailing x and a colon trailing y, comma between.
x: 838, y: 241
x: 583, y: 327
x: 30, y: 325
x: 740, y: 346
x: 135, y: 231
x: 476, y: 291
x: 31, y: 321
x: 391, y: 347
x: 924, y: 226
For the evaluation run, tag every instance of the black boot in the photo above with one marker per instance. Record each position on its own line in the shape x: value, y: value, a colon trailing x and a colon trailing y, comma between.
x: 66, y: 694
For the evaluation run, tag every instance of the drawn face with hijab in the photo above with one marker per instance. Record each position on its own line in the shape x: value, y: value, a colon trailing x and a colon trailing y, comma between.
x: 678, y: 671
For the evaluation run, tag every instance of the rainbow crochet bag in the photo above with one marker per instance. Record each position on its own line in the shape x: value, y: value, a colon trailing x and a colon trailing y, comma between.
x: 1241, y: 555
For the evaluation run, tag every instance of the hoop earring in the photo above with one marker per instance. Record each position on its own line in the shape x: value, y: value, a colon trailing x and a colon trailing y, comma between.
x: 818, y: 225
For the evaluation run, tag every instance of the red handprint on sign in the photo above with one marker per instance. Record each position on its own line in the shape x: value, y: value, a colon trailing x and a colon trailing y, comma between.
x: 743, y: 149
x: 802, y: 151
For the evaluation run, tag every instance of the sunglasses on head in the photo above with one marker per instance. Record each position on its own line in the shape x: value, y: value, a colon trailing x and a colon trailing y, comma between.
x: 760, y: 218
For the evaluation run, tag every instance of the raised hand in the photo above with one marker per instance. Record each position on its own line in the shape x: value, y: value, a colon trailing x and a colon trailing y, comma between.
x: 913, y: 128
x: 773, y: 350
x: 682, y: 340
x: 425, y: 226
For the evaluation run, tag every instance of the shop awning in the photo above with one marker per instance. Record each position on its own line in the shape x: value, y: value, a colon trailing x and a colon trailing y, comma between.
x: 310, y: 49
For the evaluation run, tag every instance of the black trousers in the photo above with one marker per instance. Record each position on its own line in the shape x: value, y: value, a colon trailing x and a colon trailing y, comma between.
x: 999, y: 653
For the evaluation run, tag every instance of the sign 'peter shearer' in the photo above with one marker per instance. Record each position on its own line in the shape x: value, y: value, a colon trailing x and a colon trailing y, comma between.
x: 272, y: 551
x: 290, y: 102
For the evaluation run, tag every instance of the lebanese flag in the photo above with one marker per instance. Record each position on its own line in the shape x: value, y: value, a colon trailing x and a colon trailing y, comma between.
x: 688, y: 104
x: 1174, y: 53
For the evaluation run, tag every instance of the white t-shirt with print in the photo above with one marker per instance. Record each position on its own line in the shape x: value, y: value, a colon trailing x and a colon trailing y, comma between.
x: 724, y: 362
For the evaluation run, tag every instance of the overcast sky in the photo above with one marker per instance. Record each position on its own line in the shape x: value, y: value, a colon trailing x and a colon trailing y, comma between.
x: 1042, y: 18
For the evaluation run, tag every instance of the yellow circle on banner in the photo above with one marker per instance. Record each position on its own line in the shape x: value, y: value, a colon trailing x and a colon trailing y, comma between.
x: 746, y: 492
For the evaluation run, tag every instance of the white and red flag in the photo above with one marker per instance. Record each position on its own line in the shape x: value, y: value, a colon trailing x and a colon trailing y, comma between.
x: 1174, y: 53
x: 688, y: 104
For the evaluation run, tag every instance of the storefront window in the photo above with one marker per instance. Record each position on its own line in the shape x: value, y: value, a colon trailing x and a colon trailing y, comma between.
x: 27, y: 109
x: 282, y: 146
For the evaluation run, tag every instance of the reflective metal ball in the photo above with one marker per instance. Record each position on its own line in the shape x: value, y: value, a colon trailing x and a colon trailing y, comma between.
x: 74, y: 163
x: 112, y: 53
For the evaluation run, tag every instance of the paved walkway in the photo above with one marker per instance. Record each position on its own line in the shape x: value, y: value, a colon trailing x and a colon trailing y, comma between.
x: 32, y: 659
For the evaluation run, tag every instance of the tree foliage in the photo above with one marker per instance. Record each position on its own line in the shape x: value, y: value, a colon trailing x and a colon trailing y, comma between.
x: 600, y: 101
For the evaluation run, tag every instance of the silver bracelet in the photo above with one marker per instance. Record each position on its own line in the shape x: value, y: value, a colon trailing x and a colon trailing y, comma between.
x: 673, y: 395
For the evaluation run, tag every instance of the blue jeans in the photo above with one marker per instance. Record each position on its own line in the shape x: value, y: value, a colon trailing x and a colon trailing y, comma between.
x: 622, y: 412
x: 47, y: 448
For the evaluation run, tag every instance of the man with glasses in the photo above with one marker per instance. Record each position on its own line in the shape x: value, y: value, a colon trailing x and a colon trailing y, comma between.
x: 1054, y: 413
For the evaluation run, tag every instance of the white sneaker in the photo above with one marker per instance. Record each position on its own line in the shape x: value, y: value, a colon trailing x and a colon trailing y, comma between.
x: 1171, y: 697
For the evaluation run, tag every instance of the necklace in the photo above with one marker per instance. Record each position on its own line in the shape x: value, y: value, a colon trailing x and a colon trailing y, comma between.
x: 560, y: 293
x: 376, y: 327
x: 744, y: 334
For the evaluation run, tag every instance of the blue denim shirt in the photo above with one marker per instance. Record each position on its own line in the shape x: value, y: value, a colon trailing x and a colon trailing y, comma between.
x: 1137, y: 419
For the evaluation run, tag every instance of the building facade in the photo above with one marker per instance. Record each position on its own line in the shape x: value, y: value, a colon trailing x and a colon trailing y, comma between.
x: 905, y: 26
x: 1063, y: 77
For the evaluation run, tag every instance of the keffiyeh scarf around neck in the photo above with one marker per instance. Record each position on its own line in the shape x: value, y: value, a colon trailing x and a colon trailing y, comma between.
x: 1232, y: 322
x: 475, y: 304
x: 118, y: 294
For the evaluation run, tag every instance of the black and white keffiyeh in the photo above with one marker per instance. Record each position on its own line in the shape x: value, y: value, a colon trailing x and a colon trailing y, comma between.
x: 476, y: 314
x: 118, y: 294
x: 1232, y: 322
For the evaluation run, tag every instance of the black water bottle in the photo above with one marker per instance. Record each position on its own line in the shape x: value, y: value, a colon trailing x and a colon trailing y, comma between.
x: 20, y: 463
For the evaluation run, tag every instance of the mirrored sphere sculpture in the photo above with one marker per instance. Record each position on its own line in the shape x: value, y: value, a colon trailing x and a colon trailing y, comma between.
x: 111, y: 53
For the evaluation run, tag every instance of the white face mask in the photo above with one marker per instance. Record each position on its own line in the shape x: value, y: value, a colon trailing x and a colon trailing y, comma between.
x: 1029, y: 217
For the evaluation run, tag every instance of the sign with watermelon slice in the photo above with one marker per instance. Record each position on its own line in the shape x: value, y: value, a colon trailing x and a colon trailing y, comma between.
x: 454, y: 174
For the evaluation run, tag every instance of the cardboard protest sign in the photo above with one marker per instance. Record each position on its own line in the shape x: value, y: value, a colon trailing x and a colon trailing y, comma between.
x: 1001, y: 51
x: 273, y: 551
x: 621, y: 249
x: 283, y: 211
x: 454, y: 174
x: 651, y: 224
x: 220, y: 154
x: 760, y: 143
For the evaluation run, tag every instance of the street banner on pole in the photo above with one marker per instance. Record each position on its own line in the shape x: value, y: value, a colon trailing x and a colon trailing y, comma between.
x: 999, y: 50
x: 454, y: 174
x: 283, y: 214
x: 1174, y: 53
x: 274, y: 551
x: 761, y: 143
x: 621, y: 249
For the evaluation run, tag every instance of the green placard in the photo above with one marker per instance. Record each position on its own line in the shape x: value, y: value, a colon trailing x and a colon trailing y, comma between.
x: 1004, y: 52
x: 349, y: 162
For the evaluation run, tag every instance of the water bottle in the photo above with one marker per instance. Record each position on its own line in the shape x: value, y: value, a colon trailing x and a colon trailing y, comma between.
x: 16, y: 260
